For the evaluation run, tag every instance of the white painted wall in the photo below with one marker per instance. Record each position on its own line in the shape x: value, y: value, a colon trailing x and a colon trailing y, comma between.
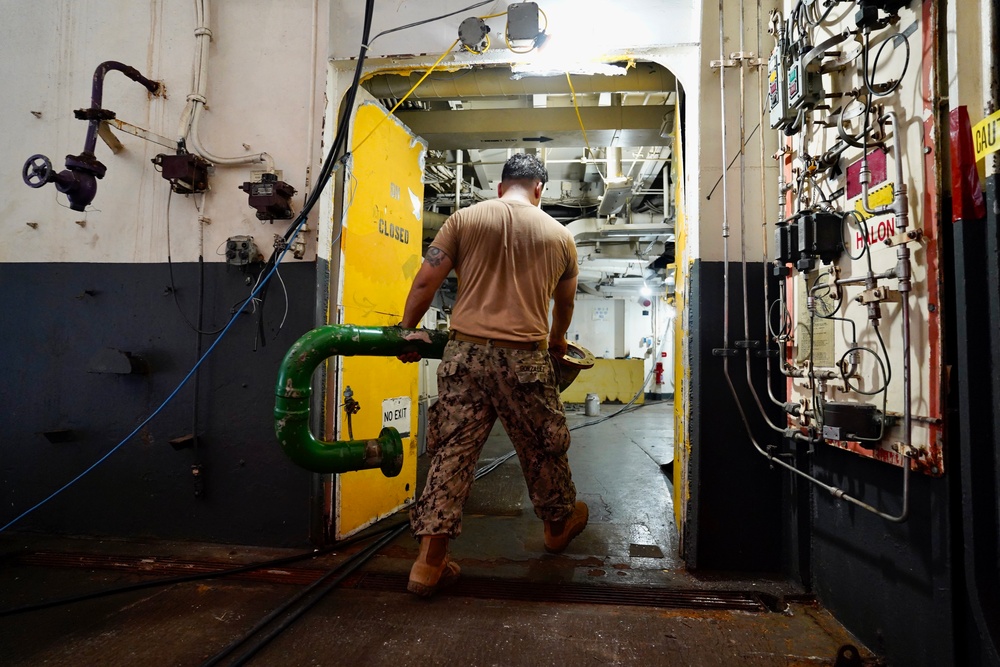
x: 665, y: 329
x: 599, y: 326
x: 587, y: 26
x: 741, y: 209
x: 638, y: 328
x: 615, y: 329
x: 265, y: 90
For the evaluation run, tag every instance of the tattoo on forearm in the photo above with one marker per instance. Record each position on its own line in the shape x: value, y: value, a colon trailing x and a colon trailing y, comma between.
x: 434, y: 257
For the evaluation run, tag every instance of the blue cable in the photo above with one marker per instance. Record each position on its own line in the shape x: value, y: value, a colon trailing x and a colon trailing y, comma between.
x: 260, y: 285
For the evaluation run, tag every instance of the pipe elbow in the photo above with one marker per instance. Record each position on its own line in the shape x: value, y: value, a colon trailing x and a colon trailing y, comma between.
x: 293, y: 394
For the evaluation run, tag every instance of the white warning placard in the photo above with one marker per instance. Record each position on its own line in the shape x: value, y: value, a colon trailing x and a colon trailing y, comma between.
x: 396, y: 413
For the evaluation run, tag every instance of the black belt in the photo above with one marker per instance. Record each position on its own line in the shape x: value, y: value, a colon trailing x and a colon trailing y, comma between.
x: 512, y: 344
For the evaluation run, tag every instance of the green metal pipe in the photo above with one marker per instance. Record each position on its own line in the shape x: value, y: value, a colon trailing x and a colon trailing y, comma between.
x: 294, y: 389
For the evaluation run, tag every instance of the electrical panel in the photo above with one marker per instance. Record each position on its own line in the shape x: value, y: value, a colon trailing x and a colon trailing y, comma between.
x: 818, y: 238
x: 522, y: 21
x: 805, y: 83
x: 777, y: 89
x: 241, y: 250
x: 186, y: 173
x: 271, y: 197
x: 855, y: 320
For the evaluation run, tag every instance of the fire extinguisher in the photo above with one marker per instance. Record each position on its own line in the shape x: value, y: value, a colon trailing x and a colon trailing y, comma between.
x: 659, y: 372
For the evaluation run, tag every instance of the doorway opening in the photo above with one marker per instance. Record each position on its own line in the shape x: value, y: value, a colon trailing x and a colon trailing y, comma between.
x: 608, y: 143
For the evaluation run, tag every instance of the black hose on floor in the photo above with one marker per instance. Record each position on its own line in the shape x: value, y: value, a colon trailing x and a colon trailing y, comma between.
x: 320, y: 587
x: 277, y: 562
x: 343, y: 570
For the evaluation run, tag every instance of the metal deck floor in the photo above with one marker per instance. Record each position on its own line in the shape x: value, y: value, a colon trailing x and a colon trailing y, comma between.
x: 618, y: 596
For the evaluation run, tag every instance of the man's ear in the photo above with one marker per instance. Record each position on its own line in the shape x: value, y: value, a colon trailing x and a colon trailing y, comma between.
x: 500, y: 189
x: 539, y: 186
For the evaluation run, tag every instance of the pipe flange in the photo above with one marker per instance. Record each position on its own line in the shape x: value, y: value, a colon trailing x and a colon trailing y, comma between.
x: 577, y: 357
x: 569, y: 365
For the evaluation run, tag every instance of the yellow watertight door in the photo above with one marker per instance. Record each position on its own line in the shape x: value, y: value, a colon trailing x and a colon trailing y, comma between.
x: 380, y: 254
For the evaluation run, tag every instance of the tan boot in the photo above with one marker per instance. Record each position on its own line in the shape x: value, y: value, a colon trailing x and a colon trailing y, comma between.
x: 558, y: 534
x: 433, y: 570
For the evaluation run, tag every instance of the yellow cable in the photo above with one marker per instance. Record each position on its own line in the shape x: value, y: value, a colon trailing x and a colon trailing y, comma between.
x: 510, y: 45
x: 580, y: 119
x: 403, y: 99
x: 478, y: 53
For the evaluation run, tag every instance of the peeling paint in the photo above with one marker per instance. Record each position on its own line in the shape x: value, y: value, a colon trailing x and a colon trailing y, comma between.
x: 417, y: 202
x: 419, y: 335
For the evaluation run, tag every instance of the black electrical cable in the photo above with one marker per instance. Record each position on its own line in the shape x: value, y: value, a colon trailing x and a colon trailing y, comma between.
x: 828, y: 314
x: 345, y: 569
x: 285, y: 560
x: 876, y: 89
x: 885, y: 385
x: 436, y: 18
x: 795, y: 20
x: 786, y: 320
x: 259, y: 335
x: 342, y: 571
x: 824, y: 16
x: 335, y: 155
x: 197, y: 470
x: 745, y: 143
x: 320, y: 587
x: 861, y: 221
x: 173, y: 287
x: 884, y: 391
x: 820, y: 292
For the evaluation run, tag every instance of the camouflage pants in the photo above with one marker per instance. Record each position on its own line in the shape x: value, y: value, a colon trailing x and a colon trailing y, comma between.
x: 477, y: 384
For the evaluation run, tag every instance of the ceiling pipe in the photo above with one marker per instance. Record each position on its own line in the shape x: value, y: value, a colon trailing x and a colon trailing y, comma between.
x: 433, y: 220
x: 614, y: 158
x: 496, y: 82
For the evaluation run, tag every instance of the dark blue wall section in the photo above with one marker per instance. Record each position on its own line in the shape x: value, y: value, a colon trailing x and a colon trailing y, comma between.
x: 735, y: 507
x: 890, y: 584
x: 58, y: 319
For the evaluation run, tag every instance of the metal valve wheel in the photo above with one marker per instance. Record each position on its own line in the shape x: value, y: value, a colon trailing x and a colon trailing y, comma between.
x: 37, y: 171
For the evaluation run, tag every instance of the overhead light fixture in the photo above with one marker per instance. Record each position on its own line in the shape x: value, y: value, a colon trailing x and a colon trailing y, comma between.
x: 616, y: 194
x: 560, y: 65
x: 635, y: 229
x: 563, y: 53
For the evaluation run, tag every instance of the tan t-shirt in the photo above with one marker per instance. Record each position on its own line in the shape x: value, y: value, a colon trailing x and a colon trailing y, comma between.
x: 509, y: 257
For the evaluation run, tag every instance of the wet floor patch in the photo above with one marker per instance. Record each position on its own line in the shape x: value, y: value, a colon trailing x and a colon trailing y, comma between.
x: 644, y: 551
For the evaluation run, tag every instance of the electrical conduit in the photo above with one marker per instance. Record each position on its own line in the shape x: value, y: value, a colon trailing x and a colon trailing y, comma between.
x: 190, y: 119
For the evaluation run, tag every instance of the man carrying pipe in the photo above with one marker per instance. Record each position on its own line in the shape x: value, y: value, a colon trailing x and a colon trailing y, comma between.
x: 511, y: 259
